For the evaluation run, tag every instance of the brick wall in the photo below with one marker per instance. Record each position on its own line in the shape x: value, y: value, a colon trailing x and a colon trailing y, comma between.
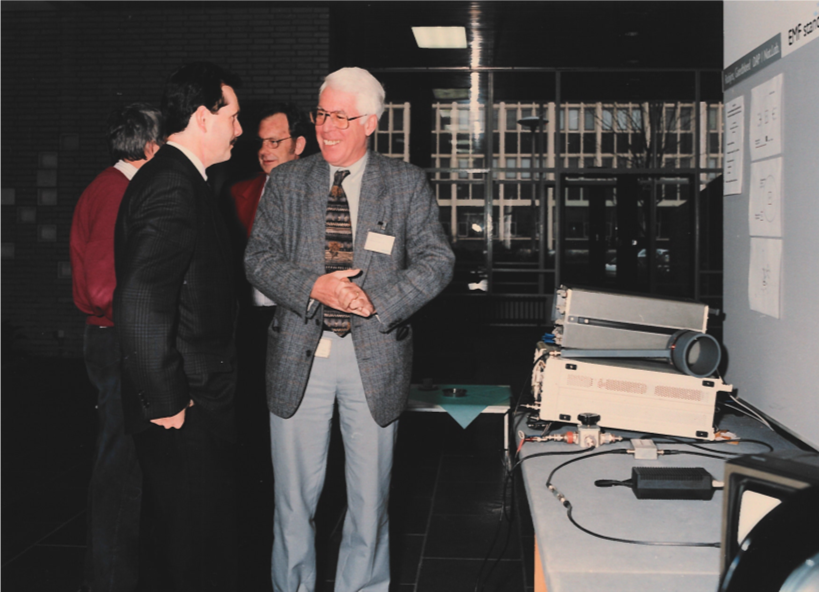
x: 64, y: 68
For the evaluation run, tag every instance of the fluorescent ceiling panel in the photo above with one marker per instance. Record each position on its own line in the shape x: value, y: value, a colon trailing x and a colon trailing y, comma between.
x: 440, y: 37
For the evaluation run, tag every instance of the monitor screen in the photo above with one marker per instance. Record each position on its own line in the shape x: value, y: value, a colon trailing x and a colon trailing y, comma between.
x: 758, y: 486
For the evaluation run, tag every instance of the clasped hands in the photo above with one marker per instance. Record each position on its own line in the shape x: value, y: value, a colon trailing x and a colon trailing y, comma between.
x: 332, y: 289
x: 337, y: 291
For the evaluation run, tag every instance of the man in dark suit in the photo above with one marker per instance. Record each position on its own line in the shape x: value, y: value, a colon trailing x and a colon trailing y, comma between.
x: 174, y: 307
x: 349, y: 245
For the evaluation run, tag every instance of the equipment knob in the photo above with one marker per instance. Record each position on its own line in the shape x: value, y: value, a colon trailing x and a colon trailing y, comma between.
x: 588, y: 419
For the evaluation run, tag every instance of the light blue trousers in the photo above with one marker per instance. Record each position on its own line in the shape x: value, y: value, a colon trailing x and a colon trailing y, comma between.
x: 299, y: 449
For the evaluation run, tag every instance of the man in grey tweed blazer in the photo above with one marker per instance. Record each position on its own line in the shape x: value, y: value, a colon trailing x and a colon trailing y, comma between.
x: 401, y: 260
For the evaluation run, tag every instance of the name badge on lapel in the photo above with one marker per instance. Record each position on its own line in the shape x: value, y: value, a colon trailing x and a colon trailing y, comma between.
x: 379, y: 243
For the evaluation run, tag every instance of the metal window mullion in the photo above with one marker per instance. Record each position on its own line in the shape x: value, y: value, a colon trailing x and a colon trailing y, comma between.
x: 541, y: 195
x: 696, y: 194
x: 406, y: 117
x: 559, y: 210
x: 488, y: 114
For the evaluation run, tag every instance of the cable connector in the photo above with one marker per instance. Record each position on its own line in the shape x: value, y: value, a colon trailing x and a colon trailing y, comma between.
x: 560, y: 497
x: 644, y: 449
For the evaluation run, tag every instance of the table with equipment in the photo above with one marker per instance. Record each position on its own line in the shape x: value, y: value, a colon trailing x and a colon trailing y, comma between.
x: 569, y: 559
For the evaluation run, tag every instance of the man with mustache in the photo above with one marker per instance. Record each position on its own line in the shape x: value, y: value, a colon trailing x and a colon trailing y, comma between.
x: 174, y: 307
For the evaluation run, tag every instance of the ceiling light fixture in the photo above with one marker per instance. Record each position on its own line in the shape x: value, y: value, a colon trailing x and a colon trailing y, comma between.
x: 440, y: 37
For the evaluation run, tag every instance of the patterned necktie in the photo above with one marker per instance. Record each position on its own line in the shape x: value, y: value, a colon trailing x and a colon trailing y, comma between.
x: 338, y: 250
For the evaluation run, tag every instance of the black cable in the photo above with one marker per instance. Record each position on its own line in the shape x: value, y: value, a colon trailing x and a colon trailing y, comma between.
x: 692, y: 453
x: 556, y: 453
x: 568, y: 505
x: 701, y: 445
x: 574, y: 460
x: 630, y: 541
x: 510, y: 472
x: 509, y: 477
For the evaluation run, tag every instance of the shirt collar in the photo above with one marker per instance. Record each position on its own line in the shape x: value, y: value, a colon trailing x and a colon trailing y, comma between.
x: 355, y: 168
x: 192, y: 157
x: 126, y: 168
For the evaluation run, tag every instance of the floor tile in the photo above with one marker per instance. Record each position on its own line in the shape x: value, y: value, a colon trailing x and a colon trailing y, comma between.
x: 406, y: 556
x: 70, y: 533
x: 485, y: 467
x: 410, y: 516
x: 446, y: 497
x: 461, y: 575
x: 472, y: 537
x: 468, y: 498
x: 19, y: 536
x: 49, y: 505
x: 45, y: 569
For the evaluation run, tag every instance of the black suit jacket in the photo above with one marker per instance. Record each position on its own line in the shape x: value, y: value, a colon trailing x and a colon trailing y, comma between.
x: 174, y: 305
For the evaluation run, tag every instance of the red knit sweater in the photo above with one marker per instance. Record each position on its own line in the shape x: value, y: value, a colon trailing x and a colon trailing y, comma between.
x: 92, y: 246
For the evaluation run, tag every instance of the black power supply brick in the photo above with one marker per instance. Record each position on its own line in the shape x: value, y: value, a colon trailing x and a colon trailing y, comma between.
x: 672, y: 483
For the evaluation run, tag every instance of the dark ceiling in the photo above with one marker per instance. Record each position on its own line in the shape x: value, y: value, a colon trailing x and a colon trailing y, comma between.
x: 604, y: 50
x: 543, y: 34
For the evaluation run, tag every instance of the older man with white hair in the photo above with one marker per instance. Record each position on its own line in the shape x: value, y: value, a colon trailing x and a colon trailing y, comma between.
x: 349, y: 244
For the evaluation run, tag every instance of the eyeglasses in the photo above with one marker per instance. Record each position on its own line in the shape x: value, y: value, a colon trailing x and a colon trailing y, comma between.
x: 340, y: 120
x: 270, y: 141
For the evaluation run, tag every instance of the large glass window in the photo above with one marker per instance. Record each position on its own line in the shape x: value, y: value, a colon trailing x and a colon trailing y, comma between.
x: 534, y: 191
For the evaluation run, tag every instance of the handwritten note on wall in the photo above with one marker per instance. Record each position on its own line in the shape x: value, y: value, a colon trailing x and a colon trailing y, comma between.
x: 765, y: 202
x: 766, y: 119
x: 764, y: 276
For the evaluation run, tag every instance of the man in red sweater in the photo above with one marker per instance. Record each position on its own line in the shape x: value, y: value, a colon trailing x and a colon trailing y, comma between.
x: 282, y: 136
x: 115, y: 491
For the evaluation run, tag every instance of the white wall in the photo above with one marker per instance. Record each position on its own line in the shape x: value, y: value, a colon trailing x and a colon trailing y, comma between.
x: 774, y: 362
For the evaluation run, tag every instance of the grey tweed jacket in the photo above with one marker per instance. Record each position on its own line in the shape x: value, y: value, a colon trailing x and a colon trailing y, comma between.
x: 285, y: 256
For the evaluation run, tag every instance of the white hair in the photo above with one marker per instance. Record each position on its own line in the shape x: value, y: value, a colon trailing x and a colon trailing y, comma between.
x: 369, y: 94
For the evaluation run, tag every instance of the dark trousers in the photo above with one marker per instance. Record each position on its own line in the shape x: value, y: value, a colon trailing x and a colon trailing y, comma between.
x: 190, y: 501
x: 251, y: 400
x: 115, y: 491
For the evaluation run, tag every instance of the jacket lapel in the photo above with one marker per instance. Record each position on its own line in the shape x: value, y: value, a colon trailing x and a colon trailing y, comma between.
x: 318, y: 191
x: 205, y: 194
x: 369, y: 212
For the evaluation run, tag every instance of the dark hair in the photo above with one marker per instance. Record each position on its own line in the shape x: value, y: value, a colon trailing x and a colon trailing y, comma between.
x: 190, y: 87
x: 296, y: 120
x: 130, y: 128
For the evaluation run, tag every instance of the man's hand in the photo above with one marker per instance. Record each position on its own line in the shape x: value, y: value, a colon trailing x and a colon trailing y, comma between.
x: 175, y: 422
x: 337, y: 291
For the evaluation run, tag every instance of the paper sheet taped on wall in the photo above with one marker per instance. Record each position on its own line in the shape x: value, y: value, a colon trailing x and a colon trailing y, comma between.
x: 764, y: 276
x: 765, y: 202
x: 766, y: 119
x: 734, y: 145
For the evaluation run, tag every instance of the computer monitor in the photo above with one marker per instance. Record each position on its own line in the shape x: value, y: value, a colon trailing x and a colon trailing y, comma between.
x: 764, y: 494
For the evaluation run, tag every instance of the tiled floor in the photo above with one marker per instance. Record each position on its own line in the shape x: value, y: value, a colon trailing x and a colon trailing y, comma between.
x: 454, y: 526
